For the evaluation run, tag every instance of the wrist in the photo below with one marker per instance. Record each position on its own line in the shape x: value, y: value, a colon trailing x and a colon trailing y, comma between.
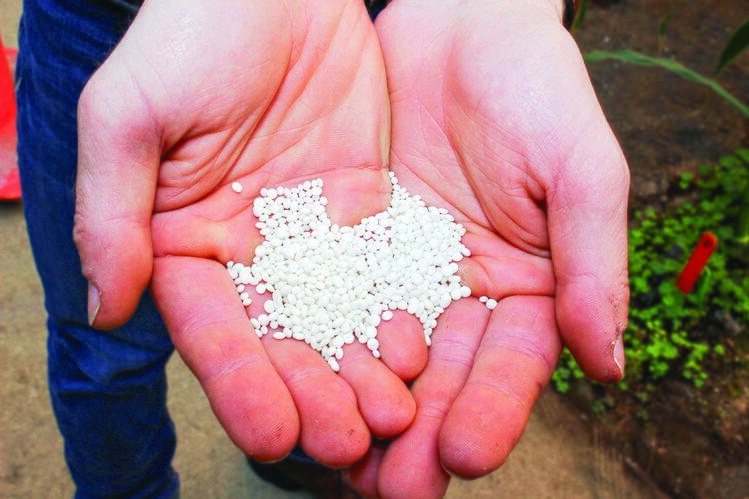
x: 554, y: 8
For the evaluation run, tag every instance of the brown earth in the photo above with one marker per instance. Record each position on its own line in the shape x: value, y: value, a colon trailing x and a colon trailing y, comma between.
x: 694, y: 443
x: 665, y: 126
x: 557, y: 457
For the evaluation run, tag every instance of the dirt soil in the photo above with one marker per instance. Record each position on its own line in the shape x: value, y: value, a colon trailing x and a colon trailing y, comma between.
x: 693, y: 443
x: 665, y: 126
x: 557, y: 457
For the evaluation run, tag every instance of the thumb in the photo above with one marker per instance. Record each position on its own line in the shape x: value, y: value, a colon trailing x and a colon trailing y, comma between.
x: 587, y: 217
x: 118, y: 161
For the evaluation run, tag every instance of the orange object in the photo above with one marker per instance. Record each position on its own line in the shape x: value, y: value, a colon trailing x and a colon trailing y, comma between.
x: 10, y: 185
x: 692, y: 270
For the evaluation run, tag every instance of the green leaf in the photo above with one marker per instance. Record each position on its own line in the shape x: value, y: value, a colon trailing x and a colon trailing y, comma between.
x: 685, y: 180
x: 703, y: 286
x: 743, y: 154
x: 639, y: 59
x: 742, y: 228
x: 667, y: 20
x: 730, y: 162
x: 705, y: 170
x: 662, y: 320
x: 736, y: 45
x: 580, y: 18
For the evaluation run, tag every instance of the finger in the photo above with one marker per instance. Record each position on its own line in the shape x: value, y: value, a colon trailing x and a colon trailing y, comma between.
x: 220, y: 227
x: 513, y: 364
x: 362, y: 475
x: 118, y: 159
x: 354, y: 194
x: 402, y: 345
x: 411, y: 467
x: 498, y: 269
x: 333, y: 431
x: 210, y: 330
x: 587, y: 213
x: 384, y: 400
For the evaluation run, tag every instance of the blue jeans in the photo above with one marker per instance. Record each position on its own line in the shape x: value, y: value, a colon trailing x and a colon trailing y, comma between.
x: 108, y: 388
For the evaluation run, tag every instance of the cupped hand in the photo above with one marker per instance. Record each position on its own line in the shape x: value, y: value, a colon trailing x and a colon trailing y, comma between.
x: 199, y: 95
x: 495, y: 118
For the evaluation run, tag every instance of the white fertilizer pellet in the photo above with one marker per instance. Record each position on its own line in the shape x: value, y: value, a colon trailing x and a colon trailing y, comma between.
x: 236, y: 187
x: 490, y: 303
x: 330, y: 286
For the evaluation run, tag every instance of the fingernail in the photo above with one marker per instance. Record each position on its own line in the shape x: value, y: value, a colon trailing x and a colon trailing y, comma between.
x: 452, y: 475
x: 619, y: 354
x: 94, y: 303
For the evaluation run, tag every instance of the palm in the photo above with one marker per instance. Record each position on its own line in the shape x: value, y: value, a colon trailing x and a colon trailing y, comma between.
x: 484, y: 125
x: 291, y: 97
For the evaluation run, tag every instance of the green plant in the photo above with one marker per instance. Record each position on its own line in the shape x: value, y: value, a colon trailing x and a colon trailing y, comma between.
x: 736, y: 45
x: 738, y: 42
x: 675, y: 67
x: 663, y: 26
x: 670, y: 333
x: 582, y: 9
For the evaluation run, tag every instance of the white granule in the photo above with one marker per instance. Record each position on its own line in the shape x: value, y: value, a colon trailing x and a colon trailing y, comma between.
x: 330, y: 286
x: 490, y: 303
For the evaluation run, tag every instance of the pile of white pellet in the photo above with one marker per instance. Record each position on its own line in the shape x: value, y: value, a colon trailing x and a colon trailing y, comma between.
x: 332, y: 285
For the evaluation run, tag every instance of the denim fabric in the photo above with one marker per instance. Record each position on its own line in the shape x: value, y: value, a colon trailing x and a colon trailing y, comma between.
x: 108, y: 388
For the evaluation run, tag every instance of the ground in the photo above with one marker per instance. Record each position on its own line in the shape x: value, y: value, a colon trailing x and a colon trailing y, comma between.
x: 557, y: 457
x: 691, y: 442
x: 665, y: 126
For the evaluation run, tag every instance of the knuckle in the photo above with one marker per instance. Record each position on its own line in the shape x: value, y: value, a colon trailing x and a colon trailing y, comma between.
x: 215, y: 375
x: 92, y: 103
x: 454, y: 352
x: 83, y: 240
x: 301, y: 378
x: 433, y: 409
x: 619, y: 174
x: 110, y: 102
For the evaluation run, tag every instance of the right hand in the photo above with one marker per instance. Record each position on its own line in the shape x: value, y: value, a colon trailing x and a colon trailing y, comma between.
x: 198, y: 95
x: 495, y: 118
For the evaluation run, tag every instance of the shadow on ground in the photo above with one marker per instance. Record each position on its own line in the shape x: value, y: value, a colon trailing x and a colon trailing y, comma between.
x: 557, y: 457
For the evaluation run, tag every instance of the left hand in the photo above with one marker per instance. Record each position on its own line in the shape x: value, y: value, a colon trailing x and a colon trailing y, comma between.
x: 196, y: 96
x: 495, y: 118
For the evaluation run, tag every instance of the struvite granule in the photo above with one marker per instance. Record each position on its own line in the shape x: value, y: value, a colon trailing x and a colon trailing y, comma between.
x: 330, y: 286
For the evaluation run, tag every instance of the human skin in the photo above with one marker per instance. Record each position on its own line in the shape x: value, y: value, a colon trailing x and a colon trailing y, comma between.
x: 307, y: 98
x: 198, y: 95
x: 494, y: 117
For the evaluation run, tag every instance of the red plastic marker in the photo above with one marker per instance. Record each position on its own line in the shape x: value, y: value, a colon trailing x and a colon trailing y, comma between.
x: 10, y: 186
x: 692, y: 270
